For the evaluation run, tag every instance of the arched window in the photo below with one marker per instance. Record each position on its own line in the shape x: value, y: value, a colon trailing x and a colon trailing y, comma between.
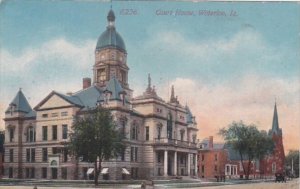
x: 181, y: 134
x: 123, y: 121
x: 11, y: 130
x: 101, y: 75
x: 30, y: 134
x: 169, y: 126
x: 194, y: 138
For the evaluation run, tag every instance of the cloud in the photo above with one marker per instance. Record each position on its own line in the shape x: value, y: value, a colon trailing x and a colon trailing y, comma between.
x: 55, y: 65
x: 243, y: 52
x: 60, y: 50
x: 250, y: 99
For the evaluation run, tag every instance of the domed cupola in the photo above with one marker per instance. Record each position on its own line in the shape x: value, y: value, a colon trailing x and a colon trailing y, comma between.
x: 110, y: 38
x: 111, y: 57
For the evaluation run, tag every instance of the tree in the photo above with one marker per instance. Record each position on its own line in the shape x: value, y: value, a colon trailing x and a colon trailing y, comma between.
x: 95, y: 138
x: 292, y: 163
x: 248, y: 142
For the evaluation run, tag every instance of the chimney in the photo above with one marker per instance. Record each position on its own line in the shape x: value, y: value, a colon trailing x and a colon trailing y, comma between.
x: 211, y: 142
x: 86, y: 82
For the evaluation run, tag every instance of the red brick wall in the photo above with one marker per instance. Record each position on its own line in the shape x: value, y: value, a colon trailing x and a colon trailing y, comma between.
x: 213, y: 163
x: 277, y: 157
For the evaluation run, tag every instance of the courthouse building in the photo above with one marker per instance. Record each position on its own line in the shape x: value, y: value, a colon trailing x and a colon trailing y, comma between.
x: 160, y: 135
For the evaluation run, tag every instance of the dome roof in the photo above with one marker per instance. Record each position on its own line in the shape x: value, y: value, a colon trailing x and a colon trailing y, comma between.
x: 110, y: 37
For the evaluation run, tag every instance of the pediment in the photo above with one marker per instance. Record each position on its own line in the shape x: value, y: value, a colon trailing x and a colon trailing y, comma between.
x: 53, y: 100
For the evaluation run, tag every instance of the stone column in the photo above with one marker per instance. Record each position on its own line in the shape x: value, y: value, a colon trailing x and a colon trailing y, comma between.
x: 196, y: 165
x: 189, y: 164
x: 166, y: 163
x: 175, y: 163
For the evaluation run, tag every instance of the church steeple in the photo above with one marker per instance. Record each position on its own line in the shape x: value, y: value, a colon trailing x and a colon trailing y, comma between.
x: 275, y: 124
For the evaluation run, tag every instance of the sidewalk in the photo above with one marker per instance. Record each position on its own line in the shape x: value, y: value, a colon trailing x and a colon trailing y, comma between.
x: 195, y: 183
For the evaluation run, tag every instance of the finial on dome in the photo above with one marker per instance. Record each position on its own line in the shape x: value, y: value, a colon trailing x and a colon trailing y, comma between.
x: 111, y: 17
x: 149, y: 80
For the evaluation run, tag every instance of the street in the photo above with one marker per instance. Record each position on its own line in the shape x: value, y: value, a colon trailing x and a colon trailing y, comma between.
x: 294, y: 184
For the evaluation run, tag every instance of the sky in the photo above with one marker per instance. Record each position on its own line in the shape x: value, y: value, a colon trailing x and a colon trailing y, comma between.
x: 228, y: 61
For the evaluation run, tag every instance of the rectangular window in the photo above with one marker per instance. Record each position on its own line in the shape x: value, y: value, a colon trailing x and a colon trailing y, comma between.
x: 27, y: 172
x: 54, y: 150
x: 216, y: 157
x: 11, y: 134
x: 32, y: 172
x: 65, y: 154
x: 44, y: 115
x: 45, y: 154
x: 194, y: 159
x: 158, y: 157
x: 227, y: 169
x: 131, y: 153
x: 54, y: 132
x: 11, y: 155
x: 181, y: 135
x: 216, y: 168
x: 202, y: 168
x: 147, y: 133
x: 181, y: 159
x: 28, y: 155
x: 54, y: 173
x: 64, y: 114
x: 45, y: 132
x: 10, y: 172
x: 44, y: 172
x: 54, y: 115
x: 64, y: 131
x: 32, y: 155
x: 124, y: 129
x: 136, y: 154
x: 123, y: 154
x: 64, y: 173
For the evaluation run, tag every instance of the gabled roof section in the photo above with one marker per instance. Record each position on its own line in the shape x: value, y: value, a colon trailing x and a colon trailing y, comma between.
x: 70, y: 99
x: 234, y: 155
x: 89, y: 96
x: 216, y: 146
x: 19, y: 104
x: 114, y: 87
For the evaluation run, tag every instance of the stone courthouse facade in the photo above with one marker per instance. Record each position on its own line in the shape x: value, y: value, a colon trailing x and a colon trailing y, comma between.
x: 160, y: 135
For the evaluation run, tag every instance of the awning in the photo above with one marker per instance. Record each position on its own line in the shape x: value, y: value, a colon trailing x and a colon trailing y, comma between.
x: 125, y: 171
x: 90, y: 171
x: 104, y: 171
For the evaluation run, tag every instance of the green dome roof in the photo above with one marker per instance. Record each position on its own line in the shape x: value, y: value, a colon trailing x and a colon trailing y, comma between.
x: 110, y: 37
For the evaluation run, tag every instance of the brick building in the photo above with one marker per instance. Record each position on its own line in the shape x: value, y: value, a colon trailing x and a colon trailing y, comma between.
x: 211, y: 159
